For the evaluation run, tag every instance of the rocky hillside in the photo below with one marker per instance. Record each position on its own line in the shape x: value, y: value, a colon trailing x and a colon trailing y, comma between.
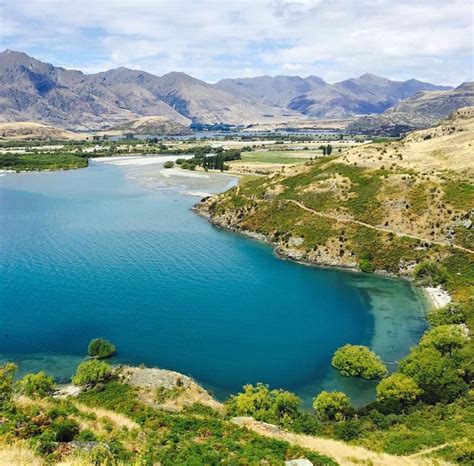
x: 35, y: 131
x: 379, y: 207
x: 419, y: 111
x: 31, y: 90
x: 154, y: 125
x: 314, y: 97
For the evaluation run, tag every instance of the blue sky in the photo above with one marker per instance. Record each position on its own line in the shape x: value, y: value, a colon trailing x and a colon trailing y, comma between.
x: 430, y: 40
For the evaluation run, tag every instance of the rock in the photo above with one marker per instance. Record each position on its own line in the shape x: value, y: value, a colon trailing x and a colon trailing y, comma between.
x: 295, y: 241
x: 152, y: 377
x: 299, y: 462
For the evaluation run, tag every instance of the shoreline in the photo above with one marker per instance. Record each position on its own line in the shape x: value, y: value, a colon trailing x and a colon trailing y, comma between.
x: 435, y: 297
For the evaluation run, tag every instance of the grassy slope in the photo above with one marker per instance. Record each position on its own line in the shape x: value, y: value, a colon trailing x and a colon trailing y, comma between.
x: 136, y: 433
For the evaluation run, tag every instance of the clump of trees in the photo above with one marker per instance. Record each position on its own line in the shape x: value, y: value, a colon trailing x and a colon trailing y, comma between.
x: 100, y: 348
x: 445, y: 338
x: 168, y: 164
x: 451, y: 314
x: 429, y: 273
x: 264, y: 404
x: 438, y: 376
x: 358, y: 361
x: 330, y: 406
x: 91, y: 373
x: 327, y: 150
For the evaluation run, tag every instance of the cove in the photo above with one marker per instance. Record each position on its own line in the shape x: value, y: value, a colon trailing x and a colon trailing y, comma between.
x: 92, y: 253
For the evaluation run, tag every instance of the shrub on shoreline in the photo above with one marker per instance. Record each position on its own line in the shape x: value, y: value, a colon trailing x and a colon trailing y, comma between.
x: 91, y: 373
x: 358, y: 361
x: 100, y: 348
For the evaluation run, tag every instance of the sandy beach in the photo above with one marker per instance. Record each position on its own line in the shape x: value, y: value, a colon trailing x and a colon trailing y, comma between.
x: 437, y: 296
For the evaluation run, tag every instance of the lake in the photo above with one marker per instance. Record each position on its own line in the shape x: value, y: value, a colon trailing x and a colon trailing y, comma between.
x: 111, y: 251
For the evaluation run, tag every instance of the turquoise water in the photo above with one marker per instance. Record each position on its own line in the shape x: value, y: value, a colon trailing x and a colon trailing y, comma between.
x: 90, y: 253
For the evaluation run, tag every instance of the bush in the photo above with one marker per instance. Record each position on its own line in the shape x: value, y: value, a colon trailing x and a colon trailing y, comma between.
x: 168, y: 164
x: 450, y: 314
x: 91, y: 373
x: 36, y: 385
x: 429, y: 273
x: 7, y: 371
x: 398, y: 391
x: 445, y: 338
x: 358, y: 361
x: 100, y: 348
x: 180, y: 161
x: 264, y: 404
x: 366, y: 265
x: 332, y: 406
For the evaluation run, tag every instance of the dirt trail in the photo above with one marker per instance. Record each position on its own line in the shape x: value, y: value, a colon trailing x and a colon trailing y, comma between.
x: 343, y: 453
x: 386, y: 230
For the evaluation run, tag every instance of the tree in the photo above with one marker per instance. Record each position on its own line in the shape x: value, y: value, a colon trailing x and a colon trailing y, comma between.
x: 7, y: 371
x: 435, y: 374
x: 100, y: 348
x: 92, y: 372
x: 168, y: 164
x: 445, y: 338
x: 429, y: 273
x: 332, y: 406
x: 329, y: 149
x: 397, y: 391
x: 264, y: 404
x: 358, y: 361
x: 36, y: 385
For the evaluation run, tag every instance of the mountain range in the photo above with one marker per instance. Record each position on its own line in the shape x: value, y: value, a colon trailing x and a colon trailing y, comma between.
x: 31, y: 90
x: 421, y: 110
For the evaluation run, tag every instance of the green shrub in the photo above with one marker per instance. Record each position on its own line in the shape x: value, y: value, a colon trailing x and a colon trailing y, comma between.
x: 358, y: 361
x: 7, y: 372
x: 100, y: 348
x: 168, y: 164
x: 92, y: 372
x: 263, y: 404
x: 429, y: 273
x: 332, y: 406
x: 366, y: 265
x: 65, y: 429
x: 398, y: 391
x: 450, y: 314
x: 36, y: 385
x: 180, y: 161
x: 445, y: 338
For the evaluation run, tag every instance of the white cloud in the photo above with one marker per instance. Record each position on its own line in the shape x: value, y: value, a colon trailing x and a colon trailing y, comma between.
x: 211, y: 39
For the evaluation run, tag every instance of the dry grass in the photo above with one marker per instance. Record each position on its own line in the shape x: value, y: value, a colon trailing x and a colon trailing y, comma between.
x: 448, y: 146
x: 30, y: 130
x: 343, y: 453
x: 18, y: 454
x: 118, y: 419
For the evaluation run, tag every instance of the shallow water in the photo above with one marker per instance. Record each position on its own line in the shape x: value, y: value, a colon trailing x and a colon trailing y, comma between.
x: 92, y: 253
